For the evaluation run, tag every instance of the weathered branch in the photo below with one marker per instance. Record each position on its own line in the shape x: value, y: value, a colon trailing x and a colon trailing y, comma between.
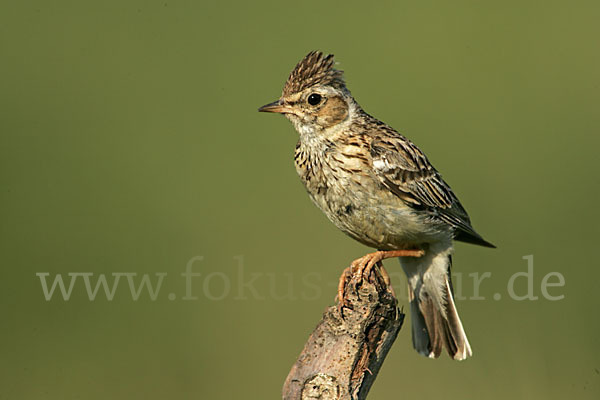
x: 344, y: 354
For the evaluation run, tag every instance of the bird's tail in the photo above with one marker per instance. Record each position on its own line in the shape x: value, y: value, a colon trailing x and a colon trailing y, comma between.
x: 435, y: 321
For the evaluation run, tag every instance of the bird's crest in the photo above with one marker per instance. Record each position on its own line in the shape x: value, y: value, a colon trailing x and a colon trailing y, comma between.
x: 313, y: 69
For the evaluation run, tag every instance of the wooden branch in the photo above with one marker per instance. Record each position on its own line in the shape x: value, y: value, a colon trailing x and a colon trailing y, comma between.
x: 344, y: 354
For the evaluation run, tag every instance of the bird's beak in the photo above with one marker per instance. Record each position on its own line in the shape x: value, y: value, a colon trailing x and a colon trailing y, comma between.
x: 275, y: 107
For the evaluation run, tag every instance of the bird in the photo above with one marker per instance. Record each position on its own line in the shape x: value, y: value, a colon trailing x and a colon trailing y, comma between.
x: 380, y: 189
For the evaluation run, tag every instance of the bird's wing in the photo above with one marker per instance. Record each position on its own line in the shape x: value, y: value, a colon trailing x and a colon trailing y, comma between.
x: 405, y: 171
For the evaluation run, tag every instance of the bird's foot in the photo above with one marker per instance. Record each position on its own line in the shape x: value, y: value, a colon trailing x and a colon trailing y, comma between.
x: 344, y: 279
x: 361, y: 268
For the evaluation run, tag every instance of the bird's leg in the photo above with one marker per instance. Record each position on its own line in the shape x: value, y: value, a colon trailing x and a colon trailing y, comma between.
x: 362, y: 267
x: 364, y: 264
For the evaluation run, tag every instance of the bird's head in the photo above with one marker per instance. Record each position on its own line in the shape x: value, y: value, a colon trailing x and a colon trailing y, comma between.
x: 315, y: 97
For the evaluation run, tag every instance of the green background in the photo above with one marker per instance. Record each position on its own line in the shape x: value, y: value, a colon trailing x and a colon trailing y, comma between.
x: 130, y: 142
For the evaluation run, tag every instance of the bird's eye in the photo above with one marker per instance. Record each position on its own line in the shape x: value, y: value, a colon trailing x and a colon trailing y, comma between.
x: 314, y: 99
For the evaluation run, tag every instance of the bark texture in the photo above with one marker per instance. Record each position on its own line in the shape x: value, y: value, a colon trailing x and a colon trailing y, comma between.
x: 346, y: 350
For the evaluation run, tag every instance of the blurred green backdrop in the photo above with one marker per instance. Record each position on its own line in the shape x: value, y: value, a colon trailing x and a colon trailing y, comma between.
x: 130, y: 143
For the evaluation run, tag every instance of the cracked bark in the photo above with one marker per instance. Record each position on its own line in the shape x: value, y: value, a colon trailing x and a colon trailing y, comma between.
x: 343, y: 355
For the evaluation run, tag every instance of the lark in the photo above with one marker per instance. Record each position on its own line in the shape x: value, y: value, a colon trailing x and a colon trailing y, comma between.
x: 380, y: 189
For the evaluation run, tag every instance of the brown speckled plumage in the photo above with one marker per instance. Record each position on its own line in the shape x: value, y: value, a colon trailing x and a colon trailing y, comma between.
x: 379, y: 188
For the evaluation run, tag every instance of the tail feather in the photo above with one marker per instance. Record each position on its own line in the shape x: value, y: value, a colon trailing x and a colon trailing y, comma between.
x: 435, y: 321
x: 435, y: 328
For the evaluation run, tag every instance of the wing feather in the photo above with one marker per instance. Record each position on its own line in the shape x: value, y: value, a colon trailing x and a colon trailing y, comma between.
x: 405, y: 170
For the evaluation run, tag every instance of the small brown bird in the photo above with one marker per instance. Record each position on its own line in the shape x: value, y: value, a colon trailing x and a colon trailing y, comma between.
x: 380, y: 189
